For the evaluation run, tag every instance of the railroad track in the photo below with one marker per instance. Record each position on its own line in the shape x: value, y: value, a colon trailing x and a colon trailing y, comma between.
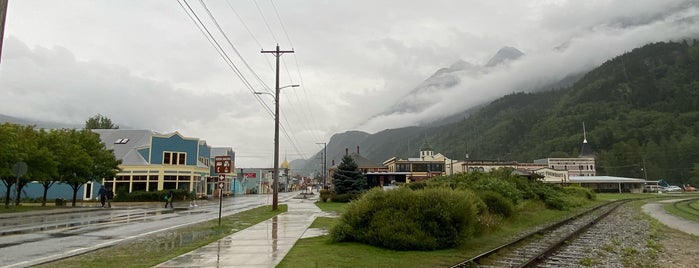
x: 535, y: 248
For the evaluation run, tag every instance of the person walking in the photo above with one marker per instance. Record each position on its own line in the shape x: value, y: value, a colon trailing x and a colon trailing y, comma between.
x: 103, y: 195
x: 110, y: 196
x: 168, y: 199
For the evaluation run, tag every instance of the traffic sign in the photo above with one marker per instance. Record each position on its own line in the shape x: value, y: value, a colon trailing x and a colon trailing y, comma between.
x: 220, y: 185
x: 222, y: 164
x: 221, y: 177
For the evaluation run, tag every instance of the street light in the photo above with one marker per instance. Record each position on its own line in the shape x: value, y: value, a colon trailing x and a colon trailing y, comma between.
x: 275, y: 186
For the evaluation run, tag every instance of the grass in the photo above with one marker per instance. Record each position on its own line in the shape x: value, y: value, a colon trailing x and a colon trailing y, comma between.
x: 14, y: 208
x: 321, y: 252
x: 158, y: 248
x: 687, y: 209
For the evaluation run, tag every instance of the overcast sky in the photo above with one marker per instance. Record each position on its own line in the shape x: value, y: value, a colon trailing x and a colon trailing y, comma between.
x: 146, y: 64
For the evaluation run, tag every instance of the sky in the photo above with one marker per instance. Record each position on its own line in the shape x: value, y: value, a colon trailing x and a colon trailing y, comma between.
x: 151, y: 65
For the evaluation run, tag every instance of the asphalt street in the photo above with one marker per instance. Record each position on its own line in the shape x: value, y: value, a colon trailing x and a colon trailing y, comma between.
x: 38, y: 237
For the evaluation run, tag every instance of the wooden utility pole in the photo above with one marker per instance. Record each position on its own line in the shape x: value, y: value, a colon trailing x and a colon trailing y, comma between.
x: 275, y: 187
x: 3, y: 16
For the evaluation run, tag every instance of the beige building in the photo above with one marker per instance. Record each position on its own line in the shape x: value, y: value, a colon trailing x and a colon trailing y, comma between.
x: 420, y: 168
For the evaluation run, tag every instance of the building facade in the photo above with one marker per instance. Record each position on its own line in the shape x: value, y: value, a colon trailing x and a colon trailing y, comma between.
x: 154, y: 162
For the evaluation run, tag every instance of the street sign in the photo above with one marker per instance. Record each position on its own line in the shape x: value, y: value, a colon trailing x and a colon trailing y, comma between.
x: 220, y: 185
x: 222, y: 164
x: 222, y: 177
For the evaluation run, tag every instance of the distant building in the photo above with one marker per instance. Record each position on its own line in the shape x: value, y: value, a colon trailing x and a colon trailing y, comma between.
x: 420, y: 168
x: 366, y: 166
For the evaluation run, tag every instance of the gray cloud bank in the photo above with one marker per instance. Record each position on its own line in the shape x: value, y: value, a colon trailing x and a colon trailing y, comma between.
x: 594, y: 40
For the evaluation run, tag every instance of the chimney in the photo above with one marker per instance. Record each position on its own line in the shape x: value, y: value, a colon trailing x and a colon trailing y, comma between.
x: 346, y: 151
x: 357, y: 149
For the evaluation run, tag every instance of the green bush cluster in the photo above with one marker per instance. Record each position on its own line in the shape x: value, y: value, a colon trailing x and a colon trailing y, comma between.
x: 331, y: 196
x: 141, y: 196
x: 325, y: 195
x: 497, y: 203
x: 404, y: 219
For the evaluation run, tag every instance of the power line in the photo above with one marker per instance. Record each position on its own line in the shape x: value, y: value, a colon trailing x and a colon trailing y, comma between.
x: 209, y: 37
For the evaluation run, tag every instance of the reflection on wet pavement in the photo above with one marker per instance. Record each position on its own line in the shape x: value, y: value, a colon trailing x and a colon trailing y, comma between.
x: 262, y: 245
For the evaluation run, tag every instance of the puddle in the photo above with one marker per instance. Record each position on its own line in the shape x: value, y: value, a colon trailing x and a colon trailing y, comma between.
x: 314, y: 232
x: 170, y: 240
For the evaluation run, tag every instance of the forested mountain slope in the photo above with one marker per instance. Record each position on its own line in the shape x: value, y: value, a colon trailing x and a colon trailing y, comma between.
x: 641, y: 109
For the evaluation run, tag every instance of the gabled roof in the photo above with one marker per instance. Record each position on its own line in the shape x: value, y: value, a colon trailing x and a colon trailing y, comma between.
x: 125, y: 143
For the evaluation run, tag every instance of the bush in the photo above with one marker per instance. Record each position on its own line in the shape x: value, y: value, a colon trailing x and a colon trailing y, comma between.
x: 325, y: 195
x: 344, y: 198
x: 506, y: 188
x: 416, y: 185
x: 404, y: 219
x: 497, y: 203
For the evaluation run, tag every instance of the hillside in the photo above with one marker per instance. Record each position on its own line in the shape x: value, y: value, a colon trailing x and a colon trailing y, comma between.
x: 640, y: 110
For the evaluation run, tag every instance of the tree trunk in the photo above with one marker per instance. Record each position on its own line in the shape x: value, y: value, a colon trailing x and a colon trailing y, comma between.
x: 8, y: 186
x: 19, y: 190
x: 75, y: 194
x: 47, y: 185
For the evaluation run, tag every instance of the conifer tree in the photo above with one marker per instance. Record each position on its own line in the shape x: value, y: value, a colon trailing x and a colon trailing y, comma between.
x: 348, y: 178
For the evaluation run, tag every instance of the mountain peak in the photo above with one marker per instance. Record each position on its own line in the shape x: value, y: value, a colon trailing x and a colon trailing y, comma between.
x: 504, y: 54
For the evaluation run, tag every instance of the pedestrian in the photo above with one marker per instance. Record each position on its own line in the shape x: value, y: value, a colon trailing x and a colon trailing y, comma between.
x: 110, y: 196
x: 103, y: 195
x: 168, y: 199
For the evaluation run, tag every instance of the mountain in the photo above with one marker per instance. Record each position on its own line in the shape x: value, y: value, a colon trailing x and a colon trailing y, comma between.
x: 503, y: 55
x: 35, y: 122
x: 640, y: 110
x: 444, y: 79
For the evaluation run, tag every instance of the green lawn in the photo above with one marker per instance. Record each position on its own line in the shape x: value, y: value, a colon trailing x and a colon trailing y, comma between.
x: 687, y: 209
x: 157, y: 248
x: 321, y: 252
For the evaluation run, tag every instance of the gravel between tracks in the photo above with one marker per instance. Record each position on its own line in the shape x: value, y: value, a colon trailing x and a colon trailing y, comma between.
x: 622, y: 239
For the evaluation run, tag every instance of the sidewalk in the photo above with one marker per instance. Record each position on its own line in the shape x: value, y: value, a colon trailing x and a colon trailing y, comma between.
x: 262, y: 245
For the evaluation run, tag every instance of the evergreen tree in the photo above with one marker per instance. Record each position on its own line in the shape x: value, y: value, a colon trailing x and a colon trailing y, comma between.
x: 348, y: 178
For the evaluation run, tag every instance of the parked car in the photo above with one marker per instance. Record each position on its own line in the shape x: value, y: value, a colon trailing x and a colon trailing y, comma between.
x: 689, y: 188
x: 673, y: 188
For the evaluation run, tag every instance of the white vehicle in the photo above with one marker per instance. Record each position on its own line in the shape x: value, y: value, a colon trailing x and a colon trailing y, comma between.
x: 673, y: 188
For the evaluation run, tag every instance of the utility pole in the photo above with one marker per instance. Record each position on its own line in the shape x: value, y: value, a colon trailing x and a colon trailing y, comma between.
x: 275, y: 187
x: 325, y: 160
x: 3, y: 18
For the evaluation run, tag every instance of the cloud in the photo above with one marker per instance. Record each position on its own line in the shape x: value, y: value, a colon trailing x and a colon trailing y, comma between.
x: 581, y: 52
x: 148, y: 66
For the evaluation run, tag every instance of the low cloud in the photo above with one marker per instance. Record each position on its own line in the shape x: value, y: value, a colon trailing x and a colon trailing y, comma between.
x: 579, y: 53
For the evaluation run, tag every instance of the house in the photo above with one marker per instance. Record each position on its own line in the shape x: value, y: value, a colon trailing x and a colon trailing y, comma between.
x: 154, y: 162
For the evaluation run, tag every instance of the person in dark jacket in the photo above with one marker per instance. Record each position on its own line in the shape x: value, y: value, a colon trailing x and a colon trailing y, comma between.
x: 110, y: 196
x: 103, y: 195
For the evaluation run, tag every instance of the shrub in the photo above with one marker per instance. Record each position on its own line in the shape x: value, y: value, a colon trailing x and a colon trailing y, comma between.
x: 497, y: 203
x: 506, y: 188
x: 404, y: 219
x: 344, y: 198
x: 416, y: 185
x: 325, y: 195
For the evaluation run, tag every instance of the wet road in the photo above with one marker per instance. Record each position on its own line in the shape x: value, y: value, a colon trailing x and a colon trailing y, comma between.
x: 36, y: 238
